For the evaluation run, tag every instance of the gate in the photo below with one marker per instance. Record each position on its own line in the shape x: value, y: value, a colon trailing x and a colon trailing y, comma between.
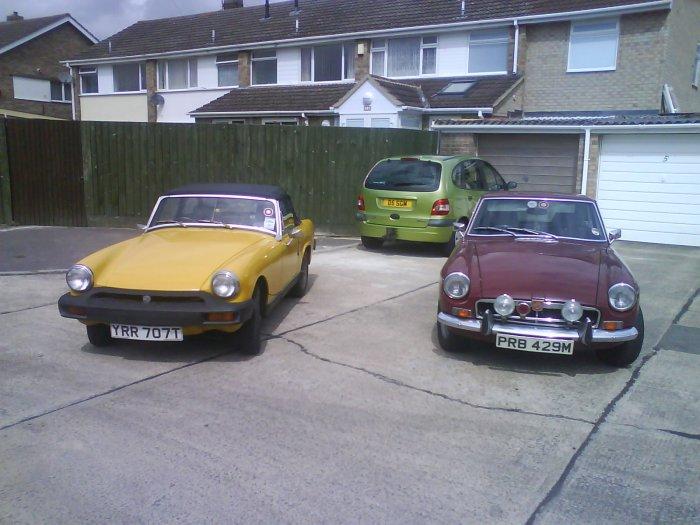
x: 46, y: 166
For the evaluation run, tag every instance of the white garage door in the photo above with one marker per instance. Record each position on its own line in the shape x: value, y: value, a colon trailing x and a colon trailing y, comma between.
x: 649, y: 185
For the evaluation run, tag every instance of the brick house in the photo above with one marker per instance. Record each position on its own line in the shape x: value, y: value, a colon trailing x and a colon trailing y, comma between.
x: 33, y: 82
x: 554, y: 93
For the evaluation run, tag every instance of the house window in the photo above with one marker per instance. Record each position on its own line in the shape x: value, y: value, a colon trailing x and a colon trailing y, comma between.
x: 129, y: 77
x: 328, y: 63
x: 280, y: 122
x: 60, y: 91
x: 227, y: 66
x: 593, y: 45
x: 88, y: 79
x: 405, y: 57
x: 355, y: 123
x: 696, y: 71
x: 264, y: 64
x: 177, y: 74
x: 488, y: 51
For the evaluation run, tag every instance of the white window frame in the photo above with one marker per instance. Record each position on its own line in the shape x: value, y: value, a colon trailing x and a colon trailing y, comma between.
x: 67, y: 98
x: 225, y: 63
x: 263, y: 59
x: 501, y: 40
x: 572, y: 27
x: 280, y: 120
x: 88, y: 71
x: 166, y: 80
x: 313, y: 65
x: 142, y: 79
x: 696, y: 70
x: 385, y: 49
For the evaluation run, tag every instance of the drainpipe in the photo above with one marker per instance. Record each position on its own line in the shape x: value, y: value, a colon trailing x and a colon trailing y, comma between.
x: 515, y: 46
x: 586, y: 154
x: 72, y: 91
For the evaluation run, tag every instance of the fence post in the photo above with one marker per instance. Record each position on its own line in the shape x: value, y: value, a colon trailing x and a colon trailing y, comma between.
x: 5, y: 186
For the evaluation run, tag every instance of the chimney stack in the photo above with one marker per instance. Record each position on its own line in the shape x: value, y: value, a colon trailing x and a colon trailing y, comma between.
x: 267, y: 9
x: 14, y: 17
x: 231, y: 4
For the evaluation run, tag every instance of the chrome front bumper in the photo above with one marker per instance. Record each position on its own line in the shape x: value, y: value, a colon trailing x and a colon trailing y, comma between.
x: 547, y: 332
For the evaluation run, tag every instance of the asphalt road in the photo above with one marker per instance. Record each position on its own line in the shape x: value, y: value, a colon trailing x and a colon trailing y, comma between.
x: 352, y: 414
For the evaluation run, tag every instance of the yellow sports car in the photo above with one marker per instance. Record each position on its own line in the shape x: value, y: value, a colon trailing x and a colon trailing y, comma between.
x: 212, y: 257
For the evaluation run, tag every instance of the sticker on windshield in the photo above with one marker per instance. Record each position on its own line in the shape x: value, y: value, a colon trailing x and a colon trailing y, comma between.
x: 595, y: 231
x: 544, y: 204
x: 268, y: 212
x: 269, y: 224
x: 532, y: 204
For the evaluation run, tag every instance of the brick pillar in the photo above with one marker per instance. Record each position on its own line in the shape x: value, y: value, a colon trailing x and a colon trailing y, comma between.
x: 362, y: 61
x: 151, y: 87
x: 75, y: 79
x: 244, y: 68
x: 593, y: 160
x: 522, y: 50
x: 457, y: 144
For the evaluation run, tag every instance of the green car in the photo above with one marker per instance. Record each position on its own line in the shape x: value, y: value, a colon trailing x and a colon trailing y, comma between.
x: 420, y: 198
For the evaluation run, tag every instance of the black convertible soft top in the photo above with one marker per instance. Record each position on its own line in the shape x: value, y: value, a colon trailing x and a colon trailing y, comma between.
x: 249, y: 190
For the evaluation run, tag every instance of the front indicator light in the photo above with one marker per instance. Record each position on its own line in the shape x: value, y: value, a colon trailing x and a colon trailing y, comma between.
x: 572, y: 311
x: 222, y: 317
x: 612, y: 325
x: 462, y: 313
x: 504, y: 305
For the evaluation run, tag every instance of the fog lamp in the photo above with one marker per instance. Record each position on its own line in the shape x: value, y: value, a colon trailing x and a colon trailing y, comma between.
x: 572, y: 310
x: 504, y: 305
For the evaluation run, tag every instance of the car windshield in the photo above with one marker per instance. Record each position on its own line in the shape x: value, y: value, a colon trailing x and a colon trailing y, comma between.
x: 538, y: 217
x: 404, y: 175
x: 217, y: 211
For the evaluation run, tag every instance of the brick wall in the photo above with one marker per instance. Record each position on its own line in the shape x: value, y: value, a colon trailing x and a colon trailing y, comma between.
x: 42, y: 54
x: 457, y: 144
x: 682, y: 36
x: 635, y: 84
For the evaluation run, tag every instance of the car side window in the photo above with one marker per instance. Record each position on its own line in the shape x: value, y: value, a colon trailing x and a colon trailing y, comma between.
x: 289, y: 216
x: 465, y: 176
x: 491, y: 180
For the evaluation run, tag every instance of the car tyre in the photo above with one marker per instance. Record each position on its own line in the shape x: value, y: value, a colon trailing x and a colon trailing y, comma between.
x: 628, y: 352
x: 372, y: 243
x: 449, y: 341
x: 449, y: 246
x: 98, y: 335
x: 249, y: 335
x: 302, y: 284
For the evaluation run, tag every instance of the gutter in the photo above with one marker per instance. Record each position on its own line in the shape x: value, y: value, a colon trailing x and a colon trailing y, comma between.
x: 571, y: 128
x: 256, y: 113
x: 290, y: 42
x: 458, y: 110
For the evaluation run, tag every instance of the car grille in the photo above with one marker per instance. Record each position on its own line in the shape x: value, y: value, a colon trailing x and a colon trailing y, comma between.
x: 154, y: 297
x: 550, y: 315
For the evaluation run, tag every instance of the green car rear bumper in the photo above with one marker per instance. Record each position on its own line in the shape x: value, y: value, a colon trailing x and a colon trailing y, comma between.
x: 440, y: 231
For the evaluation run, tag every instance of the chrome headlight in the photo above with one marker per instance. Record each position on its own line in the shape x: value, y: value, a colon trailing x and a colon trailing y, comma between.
x: 622, y: 297
x: 225, y: 284
x: 456, y: 285
x: 572, y: 310
x: 79, y: 278
x: 504, y: 305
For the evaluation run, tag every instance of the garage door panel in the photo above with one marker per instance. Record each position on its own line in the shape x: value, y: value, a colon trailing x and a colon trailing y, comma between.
x: 649, y: 185
x: 535, y: 162
x: 646, y: 187
x: 649, y: 207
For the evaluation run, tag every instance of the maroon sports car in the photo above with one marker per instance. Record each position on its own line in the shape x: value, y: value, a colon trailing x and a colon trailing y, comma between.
x: 536, y: 272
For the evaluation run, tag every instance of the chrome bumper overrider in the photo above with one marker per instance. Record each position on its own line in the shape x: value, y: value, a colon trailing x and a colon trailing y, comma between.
x: 547, y: 332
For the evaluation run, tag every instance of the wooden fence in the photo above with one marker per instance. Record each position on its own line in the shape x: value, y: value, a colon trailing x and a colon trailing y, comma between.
x: 126, y: 166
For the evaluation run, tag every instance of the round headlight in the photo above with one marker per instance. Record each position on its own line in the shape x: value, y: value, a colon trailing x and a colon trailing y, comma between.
x: 79, y: 278
x: 225, y: 284
x: 504, y: 305
x: 572, y: 311
x: 622, y: 297
x: 456, y: 285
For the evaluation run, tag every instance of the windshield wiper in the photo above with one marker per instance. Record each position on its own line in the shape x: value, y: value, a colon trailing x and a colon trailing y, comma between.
x: 532, y: 232
x: 495, y: 229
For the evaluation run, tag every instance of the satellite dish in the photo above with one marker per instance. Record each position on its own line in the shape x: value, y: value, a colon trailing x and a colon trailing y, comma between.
x: 64, y: 77
x: 157, y: 100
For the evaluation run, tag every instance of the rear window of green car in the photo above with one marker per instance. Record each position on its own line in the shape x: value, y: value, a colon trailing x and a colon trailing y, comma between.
x: 405, y: 175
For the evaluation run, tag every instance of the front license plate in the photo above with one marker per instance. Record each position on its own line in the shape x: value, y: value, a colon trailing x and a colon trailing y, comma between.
x: 146, y: 333
x: 396, y: 203
x: 533, y: 344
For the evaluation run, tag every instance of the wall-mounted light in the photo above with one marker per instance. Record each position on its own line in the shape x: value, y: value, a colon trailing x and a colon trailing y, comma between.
x: 367, y: 100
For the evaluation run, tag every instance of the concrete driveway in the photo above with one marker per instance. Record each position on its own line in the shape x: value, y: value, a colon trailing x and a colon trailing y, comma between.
x: 352, y: 413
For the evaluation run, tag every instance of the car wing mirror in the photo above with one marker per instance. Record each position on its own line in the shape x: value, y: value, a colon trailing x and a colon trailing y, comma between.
x: 511, y: 185
x: 460, y: 230
x: 615, y: 234
x: 142, y: 227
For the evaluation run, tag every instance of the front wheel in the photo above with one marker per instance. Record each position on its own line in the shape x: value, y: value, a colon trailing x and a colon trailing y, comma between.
x: 98, y: 335
x: 449, y: 246
x: 249, y: 334
x: 302, y: 284
x: 628, y: 352
x: 449, y: 341
x: 372, y: 243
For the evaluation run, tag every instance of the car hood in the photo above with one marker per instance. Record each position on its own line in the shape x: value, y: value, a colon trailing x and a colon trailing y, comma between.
x: 527, y: 269
x: 170, y: 259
